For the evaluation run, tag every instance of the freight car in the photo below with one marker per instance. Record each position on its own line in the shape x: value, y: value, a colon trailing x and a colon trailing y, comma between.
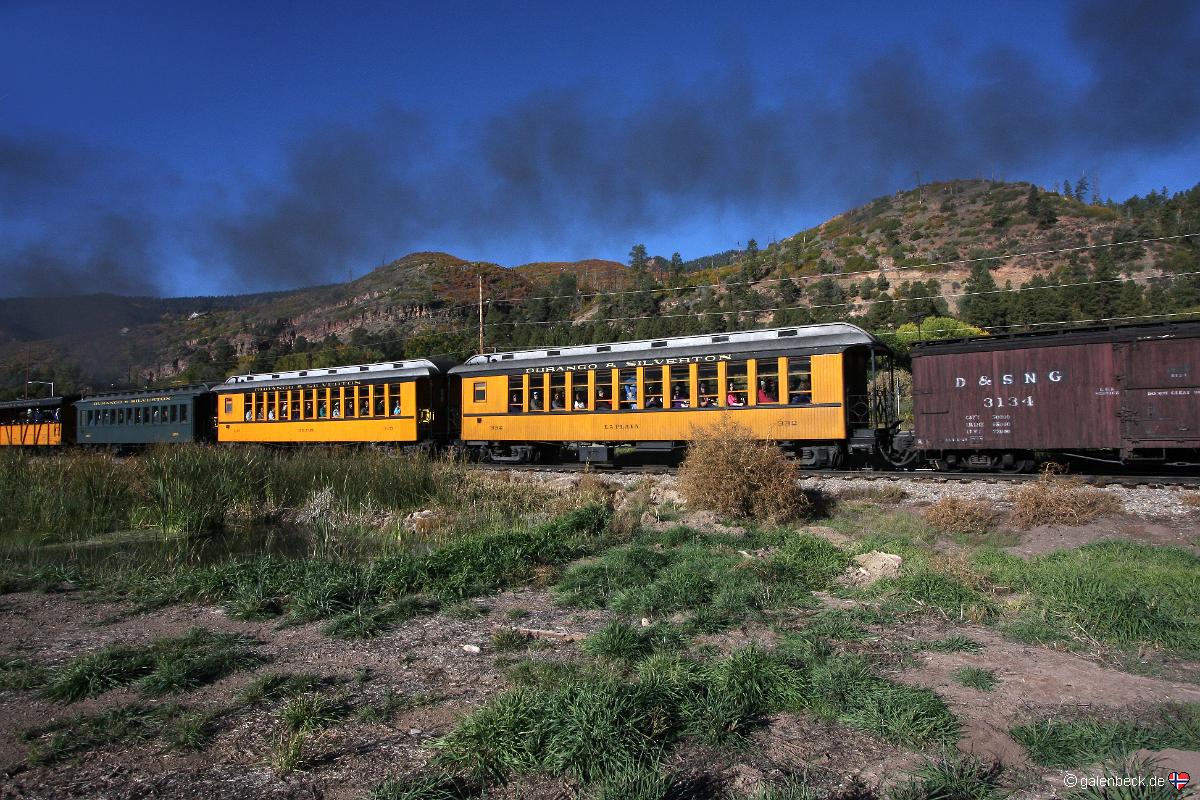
x: 401, y: 403
x: 807, y: 388
x: 136, y: 419
x: 1119, y: 395
x: 37, y: 422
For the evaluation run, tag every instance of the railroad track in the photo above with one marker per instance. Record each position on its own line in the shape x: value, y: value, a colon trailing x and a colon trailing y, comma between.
x: 1127, y: 481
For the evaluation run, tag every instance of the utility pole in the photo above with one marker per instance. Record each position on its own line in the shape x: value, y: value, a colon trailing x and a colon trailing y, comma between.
x: 481, y: 313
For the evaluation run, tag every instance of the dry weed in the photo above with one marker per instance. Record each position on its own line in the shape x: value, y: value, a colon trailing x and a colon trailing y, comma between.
x: 1054, y: 500
x: 956, y: 515
x: 1192, y: 499
x: 728, y: 471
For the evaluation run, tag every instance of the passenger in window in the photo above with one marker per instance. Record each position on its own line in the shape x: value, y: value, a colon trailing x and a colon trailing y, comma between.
x: 308, y: 410
x: 654, y: 402
x: 707, y: 402
x: 535, y: 401
x: 602, y: 401
x: 322, y: 411
x: 514, y: 402
x: 679, y: 398
x: 271, y: 413
x: 766, y: 393
x: 364, y: 408
x: 337, y: 410
x: 630, y: 394
x: 580, y: 403
x: 557, y: 402
x: 733, y: 399
x: 249, y: 415
x: 396, y: 408
x: 260, y: 413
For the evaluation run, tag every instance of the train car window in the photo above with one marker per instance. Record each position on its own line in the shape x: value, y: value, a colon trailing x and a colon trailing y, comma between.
x: 516, y: 394
x: 137, y: 416
x: 652, y: 388
x: 628, y: 398
x: 380, y: 403
x: 228, y: 405
x: 706, y: 386
x: 336, y: 405
x: 183, y: 412
x: 602, y: 399
x: 480, y: 391
x: 799, y: 381
x: 767, y: 391
x: 735, y: 384
x: 351, y: 401
x: 295, y: 401
x: 558, y: 391
x: 364, y: 401
x: 174, y: 413
x: 680, y: 382
x: 394, y: 399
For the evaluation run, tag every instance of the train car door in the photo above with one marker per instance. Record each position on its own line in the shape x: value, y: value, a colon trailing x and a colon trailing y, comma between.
x: 1161, y: 402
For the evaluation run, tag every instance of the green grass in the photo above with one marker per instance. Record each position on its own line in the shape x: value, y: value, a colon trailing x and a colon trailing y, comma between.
x: 276, y: 685
x: 1121, y: 594
x: 21, y: 674
x: 1067, y: 743
x: 165, y: 666
x: 1122, y: 784
x: 625, y: 642
x: 595, y: 724
x: 951, y: 777
x: 702, y: 576
x: 976, y: 678
x: 168, y: 723
x: 311, y: 711
x: 436, y: 786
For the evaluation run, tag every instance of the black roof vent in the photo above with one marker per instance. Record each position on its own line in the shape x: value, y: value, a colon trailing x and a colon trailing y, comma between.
x: 552, y: 352
x: 603, y: 348
x: 331, y: 371
x: 274, y: 374
x: 787, y: 333
x: 363, y: 369
x: 719, y: 339
x: 302, y: 374
x: 659, y: 343
x: 506, y: 357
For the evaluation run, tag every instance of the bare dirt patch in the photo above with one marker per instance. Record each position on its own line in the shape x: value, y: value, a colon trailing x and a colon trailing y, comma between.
x: 1048, y: 538
x: 421, y: 661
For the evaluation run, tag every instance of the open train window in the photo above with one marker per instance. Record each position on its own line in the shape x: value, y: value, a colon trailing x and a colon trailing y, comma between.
x: 558, y: 391
x: 183, y: 413
x: 352, y: 401
x: 653, y: 394
x: 735, y: 384
x: 516, y: 394
x: 628, y: 398
x: 394, y: 399
x: 603, y: 390
x: 706, y: 386
x: 480, y: 391
x: 767, y: 391
x: 681, y: 386
x: 174, y: 413
x: 799, y: 381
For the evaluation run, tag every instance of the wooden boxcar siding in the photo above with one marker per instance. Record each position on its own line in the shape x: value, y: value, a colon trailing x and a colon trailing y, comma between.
x: 1060, y: 397
x: 232, y: 425
x: 488, y: 419
x: 1161, y: 403
x: 31, y: 434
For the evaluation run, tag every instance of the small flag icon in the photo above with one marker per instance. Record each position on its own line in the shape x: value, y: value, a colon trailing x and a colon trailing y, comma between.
x: 1179, y: 780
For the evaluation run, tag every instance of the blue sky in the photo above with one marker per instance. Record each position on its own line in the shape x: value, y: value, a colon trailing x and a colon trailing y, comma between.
x: 223, y: 147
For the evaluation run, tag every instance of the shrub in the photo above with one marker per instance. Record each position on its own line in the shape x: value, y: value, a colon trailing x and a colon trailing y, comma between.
x: 1054, y: 500
x: 731, y: 472
x: 956, y: 515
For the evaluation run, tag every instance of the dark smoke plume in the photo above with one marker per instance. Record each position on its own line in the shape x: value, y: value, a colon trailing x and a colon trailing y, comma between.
x: 587, y: 165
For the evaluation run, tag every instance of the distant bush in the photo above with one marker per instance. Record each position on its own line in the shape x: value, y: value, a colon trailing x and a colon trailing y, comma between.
x: 1054, y: 500
x: 956, y: 515
x: 731, y: 472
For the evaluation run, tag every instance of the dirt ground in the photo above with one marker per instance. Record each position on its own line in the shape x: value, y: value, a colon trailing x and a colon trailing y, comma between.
x: 424, y: 661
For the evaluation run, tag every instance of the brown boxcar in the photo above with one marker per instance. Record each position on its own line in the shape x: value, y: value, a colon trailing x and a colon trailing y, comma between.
x: 1119, y: 394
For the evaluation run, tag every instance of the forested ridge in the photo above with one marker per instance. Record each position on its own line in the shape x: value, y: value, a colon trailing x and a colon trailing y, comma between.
x: 940, y: 260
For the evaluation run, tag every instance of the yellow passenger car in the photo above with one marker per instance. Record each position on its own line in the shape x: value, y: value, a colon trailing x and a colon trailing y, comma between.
x: 804, y: 387
x: 388, y: 403
x: 37, y: 422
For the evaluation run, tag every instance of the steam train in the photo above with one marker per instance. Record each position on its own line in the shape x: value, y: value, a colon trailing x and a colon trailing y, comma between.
x: 826, y: 393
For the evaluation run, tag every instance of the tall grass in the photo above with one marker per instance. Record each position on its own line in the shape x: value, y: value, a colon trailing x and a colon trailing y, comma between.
x: 189, y: 488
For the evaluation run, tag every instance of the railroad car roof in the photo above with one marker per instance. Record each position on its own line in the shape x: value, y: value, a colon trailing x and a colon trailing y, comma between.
x: 415, y: 368
x: 189, y: 390
x: 1060, y: 337
x: 34, y: 402
x: 828, y: 338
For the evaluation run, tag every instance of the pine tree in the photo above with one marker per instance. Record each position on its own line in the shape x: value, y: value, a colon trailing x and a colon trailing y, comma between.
x: 676, y: 267
x: 982, y: 304
x: 1033, y: 206
x: 750, y: 261
x: 1081, y: 188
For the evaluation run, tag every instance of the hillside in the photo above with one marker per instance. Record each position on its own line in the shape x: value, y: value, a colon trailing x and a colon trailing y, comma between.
x: 933, y: 251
